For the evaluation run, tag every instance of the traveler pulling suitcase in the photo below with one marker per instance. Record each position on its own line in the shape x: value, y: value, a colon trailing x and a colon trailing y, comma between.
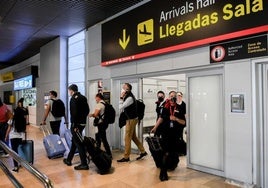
x: 99, y: 157
x: 26, y: 150
x: 53, y: 144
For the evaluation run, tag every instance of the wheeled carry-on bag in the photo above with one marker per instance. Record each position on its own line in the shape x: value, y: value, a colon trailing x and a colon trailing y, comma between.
x: 68, y: 138
x: 53, y: 144
x: 26, y: 150
x: 99, y: 157
x: 155, y: 149
x: 157, y: 152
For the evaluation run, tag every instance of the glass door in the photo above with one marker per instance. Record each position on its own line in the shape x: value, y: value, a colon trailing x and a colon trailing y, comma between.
x: 205, y: 122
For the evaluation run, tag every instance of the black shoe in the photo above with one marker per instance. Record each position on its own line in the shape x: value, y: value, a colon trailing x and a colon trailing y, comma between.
x: 15, y: 169
x: 142, y: 155
x: 81, y: 167
x: 163, y: 175
x: 123, y: 160
x: 68, y: 163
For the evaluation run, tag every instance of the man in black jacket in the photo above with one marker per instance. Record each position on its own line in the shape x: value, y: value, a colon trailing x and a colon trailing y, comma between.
x: 79, y: 111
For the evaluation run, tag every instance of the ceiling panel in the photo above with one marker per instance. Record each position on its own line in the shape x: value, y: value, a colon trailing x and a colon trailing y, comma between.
x: 25, y: 26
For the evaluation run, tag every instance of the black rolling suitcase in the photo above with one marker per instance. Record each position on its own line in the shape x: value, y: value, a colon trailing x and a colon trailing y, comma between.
x: 155, y: 148
x: 157, y: 152
x: 26, y: 150
x: 99, y: 157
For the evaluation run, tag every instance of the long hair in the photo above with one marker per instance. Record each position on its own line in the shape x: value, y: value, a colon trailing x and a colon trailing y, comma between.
x: 1, y: 102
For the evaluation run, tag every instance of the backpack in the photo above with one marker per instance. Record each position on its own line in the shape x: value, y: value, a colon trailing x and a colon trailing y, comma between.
x: 58, y: 108
x: 109, y: 113
x: 19, y: 120
x: 140, y: 109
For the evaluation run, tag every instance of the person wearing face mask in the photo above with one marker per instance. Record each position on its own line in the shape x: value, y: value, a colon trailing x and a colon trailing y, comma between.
x: 182, y: 109
x: 172, y: 119
x: 129, y: 107
x: 79, y: 111
x: 160, y: 103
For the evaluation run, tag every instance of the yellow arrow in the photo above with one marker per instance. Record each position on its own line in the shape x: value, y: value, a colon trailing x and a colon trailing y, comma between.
x: 124, y: 42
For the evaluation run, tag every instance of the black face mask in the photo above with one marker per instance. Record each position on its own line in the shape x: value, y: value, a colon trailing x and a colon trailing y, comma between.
x: 160, y: 99
x: 174, y: 99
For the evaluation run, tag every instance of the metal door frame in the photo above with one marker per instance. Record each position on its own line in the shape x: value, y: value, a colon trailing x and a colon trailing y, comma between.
x: 200, y: 73
x: 260, y: 121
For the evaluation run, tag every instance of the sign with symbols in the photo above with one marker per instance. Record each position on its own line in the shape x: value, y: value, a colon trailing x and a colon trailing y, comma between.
x: 255, y: 46
x: 24, y: 83
x: 159, y: 27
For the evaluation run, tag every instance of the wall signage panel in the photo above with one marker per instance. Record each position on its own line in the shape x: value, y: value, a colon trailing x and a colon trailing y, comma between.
x: 250, y: 47
x: 24, y: 83
x: 159, y: 27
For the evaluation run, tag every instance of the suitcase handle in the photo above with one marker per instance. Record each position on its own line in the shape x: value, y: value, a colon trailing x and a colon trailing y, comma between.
x: 45, y: 130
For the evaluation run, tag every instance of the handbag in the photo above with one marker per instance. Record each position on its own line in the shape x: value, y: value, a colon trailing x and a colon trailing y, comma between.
x: 122, y: 120
x: 96, y: 122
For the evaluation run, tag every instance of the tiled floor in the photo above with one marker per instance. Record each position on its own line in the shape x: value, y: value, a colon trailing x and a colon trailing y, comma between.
x: 135, y: 174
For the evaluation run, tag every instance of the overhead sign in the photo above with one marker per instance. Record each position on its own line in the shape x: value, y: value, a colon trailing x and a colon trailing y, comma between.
x: 7, y: 76
x: 160, y: 26
x: 255, y: 46
x: 24, y: 83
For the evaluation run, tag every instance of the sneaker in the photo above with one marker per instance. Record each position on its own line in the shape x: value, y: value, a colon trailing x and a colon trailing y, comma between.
x: 68, y: 163
x: 81, y: 167
x: 142, y: 155
x: 15, y: 169
x: 5, y: 155
x: 123, y: 160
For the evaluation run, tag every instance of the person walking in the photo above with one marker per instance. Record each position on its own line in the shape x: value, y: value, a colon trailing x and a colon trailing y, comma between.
x: 5, y: 119
x: 54, y: 121
x: 171, y: 119
x: 79, y: 111
x: 17, y: 129
x: 182, y: 110
x: 129, y: 107
x: 100, y: 124
x: 160, y: 104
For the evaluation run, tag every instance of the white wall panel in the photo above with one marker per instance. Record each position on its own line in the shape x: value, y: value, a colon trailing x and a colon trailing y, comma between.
x: 238, y: 126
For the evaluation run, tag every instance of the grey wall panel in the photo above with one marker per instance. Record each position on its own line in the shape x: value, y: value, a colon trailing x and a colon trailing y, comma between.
x: 238, y: 126
x: 191, y: 58
x: 53, y: 72
x: 94, y: 38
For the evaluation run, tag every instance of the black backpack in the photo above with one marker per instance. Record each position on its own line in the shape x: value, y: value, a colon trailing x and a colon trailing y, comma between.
x: 140, y: 109
x: 58, y: 108
x: 109, y: 113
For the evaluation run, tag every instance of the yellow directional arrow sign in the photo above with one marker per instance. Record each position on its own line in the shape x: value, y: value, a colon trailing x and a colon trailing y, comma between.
x: 124, y: 42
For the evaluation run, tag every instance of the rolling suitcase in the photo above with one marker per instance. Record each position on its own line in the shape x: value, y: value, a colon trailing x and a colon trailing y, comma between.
x: 26, y: 150
x: 155, y: 148
x: 68, y: 138
x: 157, y: 152
x: 53, y: 144
x: 99, y: 157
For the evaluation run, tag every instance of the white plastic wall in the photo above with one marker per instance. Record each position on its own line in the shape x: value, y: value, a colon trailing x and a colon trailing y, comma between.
x: 238, y: 126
